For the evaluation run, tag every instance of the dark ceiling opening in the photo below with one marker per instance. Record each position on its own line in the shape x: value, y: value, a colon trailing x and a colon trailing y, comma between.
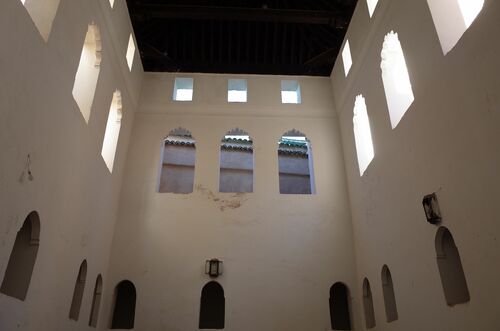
x: 277, y: 37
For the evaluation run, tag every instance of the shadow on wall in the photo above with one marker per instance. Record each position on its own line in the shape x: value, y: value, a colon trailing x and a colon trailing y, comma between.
x: 450, y: 268
x: 22, y: 259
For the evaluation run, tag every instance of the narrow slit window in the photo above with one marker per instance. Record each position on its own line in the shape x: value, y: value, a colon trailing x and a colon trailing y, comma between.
x: 112, y: 132
x: 212, y: 307
x: 237, y: 90
x: 391, y: 310
x: 88, y: 71
x: 368, y: 305
x: 340, y: 315
x: 43, y: 13
x: 295, y: 164
x: 177, y: 162
x: 76, y: 303
x: 124, y: 307
x: 362, y: 134
x: 130, y: 52
x: 111, y: 3
x: 22, y: 259
x: 452, y: 18
x: 346, y: 58
x: 236, y: 162
x: 96, y: 302
x: 397, y: 85
x: 450, y: 269
x: 372, y: 5
x: 290, y: 92
x: 183, y: 89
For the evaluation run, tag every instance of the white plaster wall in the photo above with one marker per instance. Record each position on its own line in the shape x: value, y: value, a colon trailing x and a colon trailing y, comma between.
x: 281, y: 253
x: 73, y: 191
x: 446, y: 142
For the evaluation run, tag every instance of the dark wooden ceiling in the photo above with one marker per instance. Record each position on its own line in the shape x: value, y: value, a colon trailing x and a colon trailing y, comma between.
x: 280, y: 37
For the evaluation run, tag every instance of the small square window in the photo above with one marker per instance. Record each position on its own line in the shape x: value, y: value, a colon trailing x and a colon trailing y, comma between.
x: 130, y: 52
x: 237, y: 90
x: 290, y: 92
x: 346, y: 57
x: 183, y: 89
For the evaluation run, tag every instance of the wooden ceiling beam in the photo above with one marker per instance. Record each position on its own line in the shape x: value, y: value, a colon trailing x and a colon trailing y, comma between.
x: 166, y: 11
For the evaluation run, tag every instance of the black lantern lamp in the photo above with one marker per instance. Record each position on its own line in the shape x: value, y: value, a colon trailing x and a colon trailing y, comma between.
x: 431, y: 208
x: 213, y: 267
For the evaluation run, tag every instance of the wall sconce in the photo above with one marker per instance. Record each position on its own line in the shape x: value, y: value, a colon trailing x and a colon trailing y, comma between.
x: 431, y: 208
x: 213, y: 267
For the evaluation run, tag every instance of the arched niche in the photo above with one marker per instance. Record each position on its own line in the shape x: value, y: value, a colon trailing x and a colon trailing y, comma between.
x: 340, y: 316
x: 391, y: 310
x: 22, y: 258
x: 368, y: 305
x: 96, y: 302
x: 212, y: 306
x: 124, y: 306
x: 76, y: 302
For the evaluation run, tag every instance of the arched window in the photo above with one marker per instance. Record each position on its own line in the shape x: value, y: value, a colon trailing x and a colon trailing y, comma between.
x: 124, y: 311
x: 295, y: 164
x: 112, y: 133
x: 42, y: 13
x: 340, y: 316
x: 96, y: 302
x: 397, y: 85
x: 88, y: 71
x: 236, y: 162
x: 368, y: 305
x: 76, y: 303
x: 177, y: 162
x: 391, y: 310
x: 22, y: 259
x: 450, y: 268
x: 362, y: 134
x: 452, y: 18
x: 212, y: 306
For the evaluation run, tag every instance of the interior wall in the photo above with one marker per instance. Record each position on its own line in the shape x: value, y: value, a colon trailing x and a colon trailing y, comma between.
x: 281, y: 253
x: 445, y: 143
x: 72, y: 189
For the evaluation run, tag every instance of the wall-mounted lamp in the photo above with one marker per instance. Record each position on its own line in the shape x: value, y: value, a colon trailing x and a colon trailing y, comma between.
x: 213, y: 267
x: 431, y: 208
